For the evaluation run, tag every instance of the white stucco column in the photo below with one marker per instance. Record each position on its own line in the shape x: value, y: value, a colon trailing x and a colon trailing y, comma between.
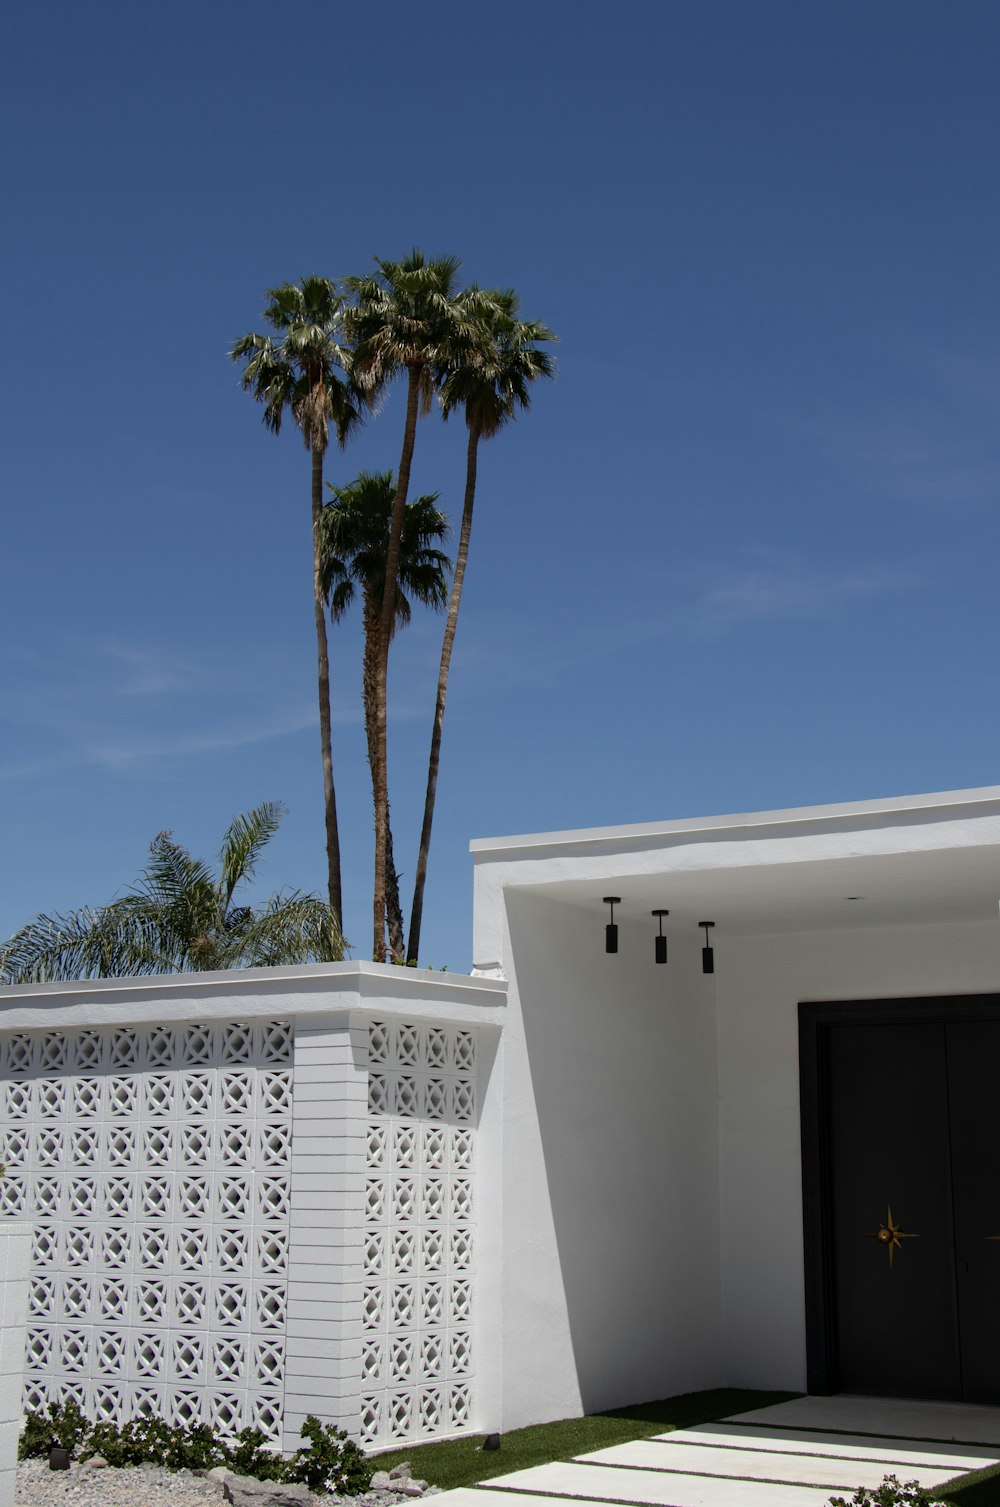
x: 323, y: 1328
x: 15, y: 1259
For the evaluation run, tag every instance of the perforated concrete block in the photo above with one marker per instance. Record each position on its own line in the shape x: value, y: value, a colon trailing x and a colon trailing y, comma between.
x: 154, y: 1163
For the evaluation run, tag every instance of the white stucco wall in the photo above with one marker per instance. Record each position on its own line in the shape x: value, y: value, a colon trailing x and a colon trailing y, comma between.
x: 652, y: 1234
x: 15, y: 1260
x: 760, y: 983
x: 610, y: 1275
x: 214, y: 1233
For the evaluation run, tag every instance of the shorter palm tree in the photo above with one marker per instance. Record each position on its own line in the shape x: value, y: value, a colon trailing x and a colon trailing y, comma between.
x: 180, y: 918
x: 354, y: 538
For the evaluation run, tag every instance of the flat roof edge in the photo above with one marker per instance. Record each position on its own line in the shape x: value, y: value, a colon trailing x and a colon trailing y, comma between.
x: 340, y: 975
x: 946, y: 800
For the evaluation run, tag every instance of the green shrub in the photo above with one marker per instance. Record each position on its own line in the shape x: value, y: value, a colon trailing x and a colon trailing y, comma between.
x: 191, y: 1446
x: 333, y: 1462
x: 250, y: 1455
x: 195, y: 1447
x: 330, y: 1462
x: 60, y: 1423
x: 119, y: 1446
x: 889, y: 1493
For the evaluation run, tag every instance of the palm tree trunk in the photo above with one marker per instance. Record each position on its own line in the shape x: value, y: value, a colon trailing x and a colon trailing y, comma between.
x: 451, y: 623
x: 382, y: 664
x: 323, y: 673
x: 393, y: 908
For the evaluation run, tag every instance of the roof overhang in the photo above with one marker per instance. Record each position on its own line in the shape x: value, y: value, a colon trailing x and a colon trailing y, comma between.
x: 913, y: 860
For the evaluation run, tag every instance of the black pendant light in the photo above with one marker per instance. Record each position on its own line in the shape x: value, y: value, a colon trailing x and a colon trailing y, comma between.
x: 611, y: 930
x: 661, y: 941
x: 707, y: 954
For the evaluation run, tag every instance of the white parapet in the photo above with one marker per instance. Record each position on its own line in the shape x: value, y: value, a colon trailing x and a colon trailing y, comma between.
x: 224, y: 1172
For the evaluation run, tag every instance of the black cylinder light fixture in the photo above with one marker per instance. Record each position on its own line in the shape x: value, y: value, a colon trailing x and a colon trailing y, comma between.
x: 611, y: 930
x: 661, y: 941
x: 707, y: 954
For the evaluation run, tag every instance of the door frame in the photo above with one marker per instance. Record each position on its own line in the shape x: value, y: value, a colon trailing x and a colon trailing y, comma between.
x: 815, y: 1022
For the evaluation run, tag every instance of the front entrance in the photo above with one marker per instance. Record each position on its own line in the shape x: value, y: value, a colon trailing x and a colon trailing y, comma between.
x: 901, y: 1122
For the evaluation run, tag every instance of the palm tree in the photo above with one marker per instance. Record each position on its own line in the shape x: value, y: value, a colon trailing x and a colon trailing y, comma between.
x: 180, y: 918
x: 355, y: 532
x: 405, y: 318
x: 490, y: 387
x: 296, y: 371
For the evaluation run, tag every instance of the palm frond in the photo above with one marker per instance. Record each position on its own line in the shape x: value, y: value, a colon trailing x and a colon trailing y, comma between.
x: 171, y: 874
x: 291, y: 928
x: 82, y: 944
x: 245, y: 840
x: 297, y: 369
x: 355, y: 536
x: 490, y: 377
x: 178, y: 919
x: 405, y: 315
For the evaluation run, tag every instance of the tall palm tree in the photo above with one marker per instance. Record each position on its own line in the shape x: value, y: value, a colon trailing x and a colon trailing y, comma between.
x: 405, y: 318
x: 355, y: 532
x: 180, y: 918
x: 297, y: 370
x: 490, y: 386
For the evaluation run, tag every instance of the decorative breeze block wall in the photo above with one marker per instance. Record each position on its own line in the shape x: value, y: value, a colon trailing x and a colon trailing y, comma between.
x: 417, y: 1361
x: 154, y: 1164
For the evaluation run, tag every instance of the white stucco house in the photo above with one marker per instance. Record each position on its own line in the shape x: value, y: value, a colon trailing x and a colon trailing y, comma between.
x: 420, y: 1204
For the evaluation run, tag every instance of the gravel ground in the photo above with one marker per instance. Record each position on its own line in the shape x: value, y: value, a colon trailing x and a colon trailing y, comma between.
x: 144, y: 1486
x: 140, y: 1486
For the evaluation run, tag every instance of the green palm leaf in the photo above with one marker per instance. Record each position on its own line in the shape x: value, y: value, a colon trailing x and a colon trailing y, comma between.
x: 242, y: 845
x: 179, y: 918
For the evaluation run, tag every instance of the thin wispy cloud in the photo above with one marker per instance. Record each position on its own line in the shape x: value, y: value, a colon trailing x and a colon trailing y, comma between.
x: 784, y: 587
x: 921, y: 427
x: 709, y: 600
x: 125, y: 707
x: 123, y: 753
x: 137, y: 750
x: 152, y: 670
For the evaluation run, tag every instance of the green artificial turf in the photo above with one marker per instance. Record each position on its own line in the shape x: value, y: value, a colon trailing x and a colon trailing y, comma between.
x: 462, y: 1462
x: 980, y: 1488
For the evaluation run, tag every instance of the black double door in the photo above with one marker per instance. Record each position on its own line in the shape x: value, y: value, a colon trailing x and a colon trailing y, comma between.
x: 913, y: 1165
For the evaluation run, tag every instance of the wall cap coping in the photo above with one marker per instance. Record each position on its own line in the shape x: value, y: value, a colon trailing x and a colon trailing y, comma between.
x: 367, y: 980
x: 955, y: 804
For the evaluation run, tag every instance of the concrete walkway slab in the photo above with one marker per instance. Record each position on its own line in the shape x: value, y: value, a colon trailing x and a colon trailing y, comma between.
x: 900, y: 1418
x: 756, y: 1464
x: 795, y: 1454
x: 902, y: 1453
x: 685, y: 1491
x: 653, y: 1488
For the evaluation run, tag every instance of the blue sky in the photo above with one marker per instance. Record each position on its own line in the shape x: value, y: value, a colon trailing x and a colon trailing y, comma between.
x: 741, y: 554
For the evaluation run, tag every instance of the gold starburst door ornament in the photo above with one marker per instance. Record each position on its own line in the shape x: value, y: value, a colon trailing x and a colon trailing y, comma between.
x: 891, y: 1236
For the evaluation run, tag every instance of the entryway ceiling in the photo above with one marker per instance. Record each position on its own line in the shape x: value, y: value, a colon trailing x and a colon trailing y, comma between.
x: 913, y: 888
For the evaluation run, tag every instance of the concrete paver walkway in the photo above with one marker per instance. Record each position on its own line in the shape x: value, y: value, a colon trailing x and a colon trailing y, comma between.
x: 795, y: 1454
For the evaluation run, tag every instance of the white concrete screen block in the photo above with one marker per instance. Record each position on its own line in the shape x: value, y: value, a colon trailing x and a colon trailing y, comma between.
x: 154, y: 1163
x: 419, y: 1228
x: 193, y: 1156
x: 15, y: 1261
